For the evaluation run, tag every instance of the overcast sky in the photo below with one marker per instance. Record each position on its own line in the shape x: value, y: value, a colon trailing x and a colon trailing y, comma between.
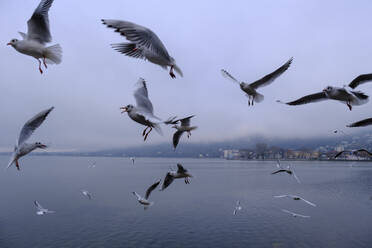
x: 329, y: 40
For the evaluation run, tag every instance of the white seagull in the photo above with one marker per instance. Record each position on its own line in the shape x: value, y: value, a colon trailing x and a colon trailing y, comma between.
x: 288, y: 170
x: 238, y: 207
x: 143, y: 113
x: 345, y: 94
x: 41, y: 210
x: 144, y: 44
x: 251, y: 89
x: 294, y: 214
x: 362, y: 123
x: 184, y: 127
x: 87, y: 194
x: 22, y: 148
x: 296, y: 198
x: 144, y: 201
x: 171, y: 175
x: 38, y: 34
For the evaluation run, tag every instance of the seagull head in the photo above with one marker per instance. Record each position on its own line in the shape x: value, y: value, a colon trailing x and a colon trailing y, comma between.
x: 174, y: 126
x: 127, y: 108
x: 328, y: 89
x: 40, y: 145
x: 12, y: 43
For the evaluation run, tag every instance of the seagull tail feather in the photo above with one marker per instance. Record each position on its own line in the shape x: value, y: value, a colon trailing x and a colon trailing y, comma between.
x: 53, y: 54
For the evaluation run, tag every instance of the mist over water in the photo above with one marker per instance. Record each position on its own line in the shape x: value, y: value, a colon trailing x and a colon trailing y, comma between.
x: 194, y: 215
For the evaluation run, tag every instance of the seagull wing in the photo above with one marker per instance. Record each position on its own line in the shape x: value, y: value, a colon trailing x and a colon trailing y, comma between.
x: 278, y: 164
x: 31, y: 125
x: 361, y: 79
x: 320, y: 96
x: 229, y: 76
x: 280, y: 196
x: 364, y: 150
x: 362, y: 123
x: 167, y: 181
x: 38, y: 206
x: 137, y: 195
x: 180, y: 168
x: 295, y: 176
x: 287, y: 211
x: 278, y: 171
x: 308, y: 202
x: 303, y: 216
x: 142, y: 97
x: 38, y: 25
x: 139, y: 35
x: 269, y: 78
x: 151, y: 188
x: 186, y: 121
x: 176, y: 138
x: 338, y: 154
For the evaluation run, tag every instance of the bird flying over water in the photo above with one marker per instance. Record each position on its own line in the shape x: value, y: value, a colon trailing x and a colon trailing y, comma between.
x: 345, y: 94
x: 362, y: 123
x: 251, y: 89
x: 144, y: 44
x: 238, y: 207
x: 171, y: 175
x: 41, y: 210
x: 143, y: 113
x: 144, y: 201
x: 296, y: 198
x: 354, y: 152
x: 184, y: 127
x: 87, y: 194
x: 288, y: 170
x: 294, y: 214
x: 38, y: 34
x: 22, y: 148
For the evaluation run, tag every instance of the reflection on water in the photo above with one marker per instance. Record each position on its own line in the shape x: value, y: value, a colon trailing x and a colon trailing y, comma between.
x: 196, y: 215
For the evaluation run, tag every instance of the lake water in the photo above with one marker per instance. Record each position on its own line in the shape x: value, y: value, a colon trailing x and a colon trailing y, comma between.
x: 194, y: 215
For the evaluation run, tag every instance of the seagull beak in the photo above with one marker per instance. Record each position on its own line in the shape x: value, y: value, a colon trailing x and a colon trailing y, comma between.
x: 124, y: 109
x: 8, y: 44
x: 42, y: 146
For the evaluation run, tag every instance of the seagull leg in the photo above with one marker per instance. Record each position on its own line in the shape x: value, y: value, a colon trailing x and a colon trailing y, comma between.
x: 17, y: 164
x: 144, y: 131
x: 188, y: 134
x: 171, y: 72
x: 144, y: 139
x: 41, y: 71
x: 349, y: 105
x: 45, y: 63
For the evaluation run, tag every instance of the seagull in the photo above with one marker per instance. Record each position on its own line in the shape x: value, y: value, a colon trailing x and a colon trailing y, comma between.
x: 184, y: 127
x: 38, y: 34
x: 144, y: 201
x: 288, y: 170
x: 354, y: 152
x: 41, y: 210
x: 93, y: 165
x: 180, y: 173
x: 144, y: 44
x: 362, y: 123
x: 143, y: 113
x: 346, y: 94
x: 251, y: 89
x: 132, y: 158
x: 238, y: 207
x: 294, y: 214
x: 296, y: 198
x: 87, y: 194
x: 22, y: 148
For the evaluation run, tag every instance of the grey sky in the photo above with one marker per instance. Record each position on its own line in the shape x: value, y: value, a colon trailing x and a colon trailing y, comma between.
x: 329, y: 40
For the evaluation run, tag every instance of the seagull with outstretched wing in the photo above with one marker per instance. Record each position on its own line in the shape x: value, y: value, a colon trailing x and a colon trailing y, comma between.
x: 354, y: 152
x: 41, y: 210
x: 144, y: 44
x: 238, y: 207
x: 294, y: 214
x: 87, y: 194
x: 22, y: 148
x: 344, y: 94
x: 184, y: 127
x: 251, y: 89
x: 171, y: 175
x: 143, y: 113
x: 38, y: 34
x: 144, y: 200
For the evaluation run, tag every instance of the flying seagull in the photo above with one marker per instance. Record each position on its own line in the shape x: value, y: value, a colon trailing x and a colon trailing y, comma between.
x: 288, y: 170
x: 171, y: 175
x: 22, y: 148
x: 354, y: 152
x: 143, y: 113
x: 362, y: 123
x: 296, y: 198
x: 294, y: 214
x: 87, y: 194
x: 132, y: 159
x: 145, y: 201
x: 184, y: 127
x: 251, y: 89
x: 41, y: 210
x: 144, y: 44
x: 345, y: 94
x: 238, y: 207
x: 93, y: 165
x: 38, y: 34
